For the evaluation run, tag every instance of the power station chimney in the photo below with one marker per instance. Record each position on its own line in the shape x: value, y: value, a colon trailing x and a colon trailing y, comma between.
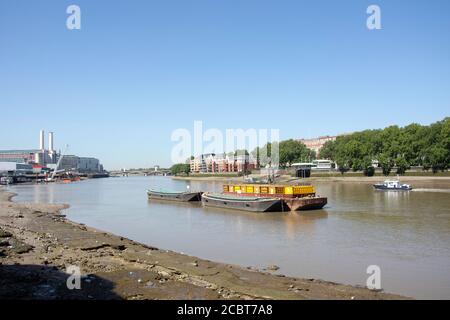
x: 42, y: 140
x: 50, y: 142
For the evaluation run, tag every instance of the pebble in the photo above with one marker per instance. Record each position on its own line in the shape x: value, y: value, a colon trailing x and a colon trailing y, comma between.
x: 164, y: 274
x: 273, y: 267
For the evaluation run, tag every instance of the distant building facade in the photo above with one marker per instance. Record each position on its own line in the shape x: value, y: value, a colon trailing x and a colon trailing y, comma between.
x: 316, y: 144
x: 80, y: 164
x: 18, y: 156
x: 9, y: 166
x: 321, y: 164
x: 221, y: 163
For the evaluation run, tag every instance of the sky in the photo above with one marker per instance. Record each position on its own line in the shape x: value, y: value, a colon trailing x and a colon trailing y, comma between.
x: 137, y: 70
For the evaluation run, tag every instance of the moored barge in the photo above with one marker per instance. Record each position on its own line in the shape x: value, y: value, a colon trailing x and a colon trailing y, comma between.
x: 254, y: 204
x: 172, y: 195
x: 295, y: 198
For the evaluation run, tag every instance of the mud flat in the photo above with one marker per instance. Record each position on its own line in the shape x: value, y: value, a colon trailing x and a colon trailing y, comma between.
x: 38, y: 244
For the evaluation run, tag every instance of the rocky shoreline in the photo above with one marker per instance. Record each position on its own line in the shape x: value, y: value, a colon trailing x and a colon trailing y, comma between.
x: 38, y: 244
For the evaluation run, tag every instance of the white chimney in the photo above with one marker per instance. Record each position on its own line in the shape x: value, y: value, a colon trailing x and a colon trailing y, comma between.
x: 42, y: 140
x: 50, y: 141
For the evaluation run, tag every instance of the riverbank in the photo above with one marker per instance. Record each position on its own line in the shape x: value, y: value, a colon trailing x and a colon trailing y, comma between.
x: 38, y: 243
x: 357, y: 179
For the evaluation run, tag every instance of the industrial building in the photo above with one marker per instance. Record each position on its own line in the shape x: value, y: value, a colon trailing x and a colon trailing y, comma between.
x: 80, y: 164
x: 41, y: 156
x: 48, y: 157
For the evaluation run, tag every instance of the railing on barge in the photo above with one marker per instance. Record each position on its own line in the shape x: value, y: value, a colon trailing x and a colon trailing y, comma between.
x: 268, y: 190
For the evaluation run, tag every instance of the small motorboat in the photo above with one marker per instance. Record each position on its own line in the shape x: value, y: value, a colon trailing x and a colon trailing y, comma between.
x: 172, y: 195
x: 254, y: 204
x: 393, y: 185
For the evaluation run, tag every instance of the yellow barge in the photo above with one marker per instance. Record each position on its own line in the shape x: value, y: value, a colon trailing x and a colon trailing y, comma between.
x: 296, y: 197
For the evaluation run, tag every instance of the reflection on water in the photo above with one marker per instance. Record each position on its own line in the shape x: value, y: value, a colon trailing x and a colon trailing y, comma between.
x: 406, y: 233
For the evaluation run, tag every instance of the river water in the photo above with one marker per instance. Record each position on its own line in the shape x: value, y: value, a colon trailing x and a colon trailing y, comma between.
x: 406, y: 234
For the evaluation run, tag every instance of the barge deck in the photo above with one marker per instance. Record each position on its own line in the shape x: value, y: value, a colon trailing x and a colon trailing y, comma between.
x: 254, y: 204
x: 174, y: 195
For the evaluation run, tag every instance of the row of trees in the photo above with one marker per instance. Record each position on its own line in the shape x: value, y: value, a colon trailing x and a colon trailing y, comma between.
x: 180, y: 168
x: 391, y: 147
x: 413, y: 145
x: 284, y: 152
x: 287, y: 152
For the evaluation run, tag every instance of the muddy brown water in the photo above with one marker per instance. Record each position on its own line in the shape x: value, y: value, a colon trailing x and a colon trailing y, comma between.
x: 406, y: 234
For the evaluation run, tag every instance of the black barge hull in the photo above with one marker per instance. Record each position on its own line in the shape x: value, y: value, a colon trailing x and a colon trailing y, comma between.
x: 259, y: 205
x: 180, y: 197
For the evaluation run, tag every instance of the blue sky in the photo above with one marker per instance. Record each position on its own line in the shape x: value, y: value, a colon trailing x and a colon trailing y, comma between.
x: 137, y: 70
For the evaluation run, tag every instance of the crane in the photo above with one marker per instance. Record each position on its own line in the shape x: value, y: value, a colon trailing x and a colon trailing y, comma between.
x: 52, y: 177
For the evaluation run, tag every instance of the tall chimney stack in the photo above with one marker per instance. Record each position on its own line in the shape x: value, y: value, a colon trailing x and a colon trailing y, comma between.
x: 50, y: 141
x: 42, y: 140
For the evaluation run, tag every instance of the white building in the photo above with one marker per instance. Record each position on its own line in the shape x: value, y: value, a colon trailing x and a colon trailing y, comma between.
x: 323, y: 165
x: 15, y: 167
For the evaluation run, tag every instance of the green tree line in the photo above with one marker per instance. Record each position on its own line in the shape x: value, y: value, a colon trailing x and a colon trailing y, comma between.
x: 289, y: 152
x: 180, y: 168
x: 399, y: 147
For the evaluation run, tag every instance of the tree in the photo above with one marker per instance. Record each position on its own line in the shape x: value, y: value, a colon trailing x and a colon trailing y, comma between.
x: 343, y: 169
x: 367, y: 166
x: 262, y: 154
x: 386, y: 163
x: 291, y: 151
x: 413, y: 145
x: 436, y: 158
x: 343, y: 164
x: 402, y: 165
x: 241, y: 152
x: 369, y: 171
x: 180, y: 168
